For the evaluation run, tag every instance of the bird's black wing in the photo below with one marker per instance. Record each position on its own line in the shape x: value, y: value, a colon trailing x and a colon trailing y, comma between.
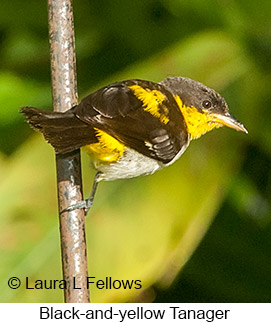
x: 142, y: 115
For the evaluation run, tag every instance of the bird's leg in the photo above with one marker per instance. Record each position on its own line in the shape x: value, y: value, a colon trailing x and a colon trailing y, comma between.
x: 85, y: 204
x: 89, y: 201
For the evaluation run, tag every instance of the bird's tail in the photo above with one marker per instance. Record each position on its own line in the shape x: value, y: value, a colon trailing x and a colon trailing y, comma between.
x: 63, y: 130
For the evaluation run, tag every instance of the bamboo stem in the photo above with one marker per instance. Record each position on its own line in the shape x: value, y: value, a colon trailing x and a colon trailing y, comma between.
x: 69, y: 182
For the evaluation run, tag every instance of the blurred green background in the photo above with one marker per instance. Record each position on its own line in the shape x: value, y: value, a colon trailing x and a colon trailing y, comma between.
x: 198, y: 231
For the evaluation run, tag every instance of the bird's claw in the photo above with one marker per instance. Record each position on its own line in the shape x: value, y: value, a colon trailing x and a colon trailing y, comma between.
x: 86, y: 205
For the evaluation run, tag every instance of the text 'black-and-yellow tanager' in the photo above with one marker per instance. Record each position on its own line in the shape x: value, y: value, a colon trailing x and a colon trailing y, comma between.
x: 134, y: 127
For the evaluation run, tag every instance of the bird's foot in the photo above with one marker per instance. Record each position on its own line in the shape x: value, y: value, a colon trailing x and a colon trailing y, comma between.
x: 85, y: 204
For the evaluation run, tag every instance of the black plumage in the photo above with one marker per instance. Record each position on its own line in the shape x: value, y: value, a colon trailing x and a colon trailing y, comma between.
x: 116, y: 110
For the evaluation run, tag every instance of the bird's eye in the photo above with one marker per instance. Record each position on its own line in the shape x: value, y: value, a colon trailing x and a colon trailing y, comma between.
x: 206, y: 104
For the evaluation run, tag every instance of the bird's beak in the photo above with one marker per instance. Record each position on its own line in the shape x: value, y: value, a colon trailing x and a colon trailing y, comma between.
x: 230, y: 121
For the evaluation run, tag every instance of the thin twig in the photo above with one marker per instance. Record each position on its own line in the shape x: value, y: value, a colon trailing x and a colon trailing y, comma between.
x: 69, y: 182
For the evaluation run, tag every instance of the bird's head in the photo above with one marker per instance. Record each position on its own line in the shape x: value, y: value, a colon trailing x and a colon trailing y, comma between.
x: 203, y: 109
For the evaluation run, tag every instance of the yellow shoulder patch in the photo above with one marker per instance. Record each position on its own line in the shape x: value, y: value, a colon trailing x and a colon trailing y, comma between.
x: 107, y: 149
x: 152, y: 101
x: 198, y: 123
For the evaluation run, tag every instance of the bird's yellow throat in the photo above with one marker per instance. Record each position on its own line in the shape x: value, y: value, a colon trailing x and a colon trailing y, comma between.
x: 197, y: 123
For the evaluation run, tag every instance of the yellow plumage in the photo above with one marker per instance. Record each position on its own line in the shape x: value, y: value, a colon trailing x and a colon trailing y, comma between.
x: 107, y: 149
x: 197, y: 123
x: 152, y: 101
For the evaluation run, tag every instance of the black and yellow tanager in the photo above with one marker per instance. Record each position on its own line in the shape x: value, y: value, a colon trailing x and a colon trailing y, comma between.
x: 134, y: 127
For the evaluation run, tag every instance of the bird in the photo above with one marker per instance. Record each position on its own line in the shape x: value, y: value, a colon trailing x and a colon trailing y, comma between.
x: 134, y: 127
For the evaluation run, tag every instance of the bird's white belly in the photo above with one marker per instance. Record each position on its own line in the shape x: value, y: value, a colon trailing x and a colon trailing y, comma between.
x: 131, y: 164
